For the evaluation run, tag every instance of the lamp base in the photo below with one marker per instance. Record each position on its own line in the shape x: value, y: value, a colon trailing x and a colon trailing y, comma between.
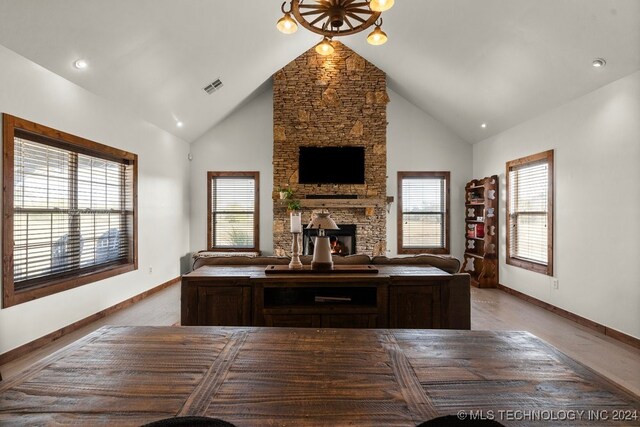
x: 321, y: 265
x: 322, y: 254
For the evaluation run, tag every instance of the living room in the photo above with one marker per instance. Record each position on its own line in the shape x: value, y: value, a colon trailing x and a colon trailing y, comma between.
x: 468, y: 87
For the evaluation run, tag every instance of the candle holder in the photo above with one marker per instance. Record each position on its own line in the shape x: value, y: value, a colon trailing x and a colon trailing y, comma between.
x: 295, y: 263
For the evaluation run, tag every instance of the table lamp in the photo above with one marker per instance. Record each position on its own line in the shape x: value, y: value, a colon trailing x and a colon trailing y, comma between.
x: 321, y: 221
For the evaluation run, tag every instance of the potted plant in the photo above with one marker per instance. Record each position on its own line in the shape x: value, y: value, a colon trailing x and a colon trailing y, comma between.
x: 285, y: 193
x: 293, y: 205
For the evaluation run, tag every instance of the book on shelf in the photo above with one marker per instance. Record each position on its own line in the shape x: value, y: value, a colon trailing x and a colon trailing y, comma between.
x: 475, y: 231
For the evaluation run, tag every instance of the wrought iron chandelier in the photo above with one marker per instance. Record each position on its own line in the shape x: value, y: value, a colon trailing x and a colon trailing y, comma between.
x: 333, y: 18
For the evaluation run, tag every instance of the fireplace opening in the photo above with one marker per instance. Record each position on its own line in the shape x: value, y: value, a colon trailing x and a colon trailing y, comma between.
x: 343, y: 241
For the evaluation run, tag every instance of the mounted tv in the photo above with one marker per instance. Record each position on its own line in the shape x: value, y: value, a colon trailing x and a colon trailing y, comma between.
x: 331, y: 165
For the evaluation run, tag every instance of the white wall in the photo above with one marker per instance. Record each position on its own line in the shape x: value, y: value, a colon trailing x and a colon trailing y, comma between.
x: 418, y: 142
x: 34, y: 93
x: 596, y: 139
x: 241, y: 142
x: 244, y: 141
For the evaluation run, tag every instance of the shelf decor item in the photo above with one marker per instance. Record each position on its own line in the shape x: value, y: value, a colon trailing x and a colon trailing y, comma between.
x: 321, y: 221
x: 296, y: 230
x: 481, y: 232
x: 285, y: 193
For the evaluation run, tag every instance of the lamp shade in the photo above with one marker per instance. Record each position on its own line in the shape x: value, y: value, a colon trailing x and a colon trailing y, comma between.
x: 380, y: 5
x: 324, y: 47
x: 287, y: 24
x: 377, y: 37
x: 322, y: 220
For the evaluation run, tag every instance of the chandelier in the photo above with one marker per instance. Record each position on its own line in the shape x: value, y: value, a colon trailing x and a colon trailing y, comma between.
x: 333, y: 18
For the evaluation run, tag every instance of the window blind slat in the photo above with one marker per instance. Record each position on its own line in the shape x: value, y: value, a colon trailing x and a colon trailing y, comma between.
x: 233, y: 212
x: 71, y: 210
x: 528, y: 209
x: 423, y: 212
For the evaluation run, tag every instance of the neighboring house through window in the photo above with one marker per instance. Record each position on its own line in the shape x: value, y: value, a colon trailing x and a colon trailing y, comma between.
x: 69, y: 211
x: 233, y: 214
x: 423, y: 212
x: 530, y: 212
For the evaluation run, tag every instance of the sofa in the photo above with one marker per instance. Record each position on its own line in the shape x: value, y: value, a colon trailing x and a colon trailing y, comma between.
x: 449, y: 264
x: 458, y: 297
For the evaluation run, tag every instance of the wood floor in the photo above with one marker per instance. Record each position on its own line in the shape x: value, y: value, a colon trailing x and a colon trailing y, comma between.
x: 491, y: 309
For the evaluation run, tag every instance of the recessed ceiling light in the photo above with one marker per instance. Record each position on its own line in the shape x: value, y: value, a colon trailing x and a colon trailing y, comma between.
x: 179, y: 124
x: 599, y: 62
x: 483, y: 126
x: 80, y: 64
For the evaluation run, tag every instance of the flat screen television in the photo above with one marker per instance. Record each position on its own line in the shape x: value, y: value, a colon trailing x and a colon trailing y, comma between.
x: 331, y: 165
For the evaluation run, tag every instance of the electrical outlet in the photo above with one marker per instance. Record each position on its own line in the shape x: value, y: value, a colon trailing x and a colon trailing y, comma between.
x: 556, y: 284
x: 150, y: 270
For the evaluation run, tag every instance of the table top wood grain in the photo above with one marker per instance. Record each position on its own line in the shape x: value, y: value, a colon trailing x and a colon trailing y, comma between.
x: 307, y: 377
x: 225, y: 272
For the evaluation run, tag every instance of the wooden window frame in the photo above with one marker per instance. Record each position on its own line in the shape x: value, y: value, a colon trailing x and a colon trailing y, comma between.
x: 518, y: 262
x: 446, y: 175
x: 256, y: 211
x: 69, y: 280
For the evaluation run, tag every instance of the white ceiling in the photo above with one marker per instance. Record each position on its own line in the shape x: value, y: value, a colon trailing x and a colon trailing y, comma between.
x: 464, y: 62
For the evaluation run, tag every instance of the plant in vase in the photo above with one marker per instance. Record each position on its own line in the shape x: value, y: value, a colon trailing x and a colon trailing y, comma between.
x: 285, y: 193
x: 293, y: 205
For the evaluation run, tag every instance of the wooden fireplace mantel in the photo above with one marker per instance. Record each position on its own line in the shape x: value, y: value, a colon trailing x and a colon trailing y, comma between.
x: 339, y: 203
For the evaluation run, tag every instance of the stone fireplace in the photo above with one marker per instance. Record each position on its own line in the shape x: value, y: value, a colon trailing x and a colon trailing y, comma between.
x: 331, y: 101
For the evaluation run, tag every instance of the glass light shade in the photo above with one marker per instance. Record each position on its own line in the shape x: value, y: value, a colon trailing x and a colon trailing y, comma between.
x: 287, y: 24
x: 377, y: 37
x: 380, y: 5
x: 324, y: 47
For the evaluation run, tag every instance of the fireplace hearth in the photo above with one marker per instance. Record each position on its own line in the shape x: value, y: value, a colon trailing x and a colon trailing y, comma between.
x: 345, y: 238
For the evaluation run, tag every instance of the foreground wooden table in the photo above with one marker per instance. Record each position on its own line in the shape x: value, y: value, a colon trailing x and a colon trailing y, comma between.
x: 299, y: 377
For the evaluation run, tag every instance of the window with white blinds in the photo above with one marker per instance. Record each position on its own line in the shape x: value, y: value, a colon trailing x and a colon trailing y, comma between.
x: 71, y: 210
x: 233, y: 211
x: 423, y: 212
x: 529, y: 216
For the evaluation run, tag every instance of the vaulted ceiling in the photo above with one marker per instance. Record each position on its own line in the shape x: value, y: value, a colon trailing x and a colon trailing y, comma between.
x: 464, y: 62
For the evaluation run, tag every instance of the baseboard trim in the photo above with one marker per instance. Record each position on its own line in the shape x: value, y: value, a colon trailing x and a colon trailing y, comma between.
x: 51, y: 337
x: 612, y: 333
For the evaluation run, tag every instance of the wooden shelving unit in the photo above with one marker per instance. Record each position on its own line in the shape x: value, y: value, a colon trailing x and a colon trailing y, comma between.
x: 481, y: 232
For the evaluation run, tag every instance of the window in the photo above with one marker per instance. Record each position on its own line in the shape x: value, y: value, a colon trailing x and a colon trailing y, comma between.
x: 423, y: 212
x: 530, y: 212
x: 233, y: 214
x: 69, y: 211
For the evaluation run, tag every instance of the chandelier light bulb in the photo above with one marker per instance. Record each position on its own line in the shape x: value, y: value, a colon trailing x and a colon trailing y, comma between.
x: 287, y: 24
x: 324, y: 47
x: 380, y: 5
x: 377, y: 37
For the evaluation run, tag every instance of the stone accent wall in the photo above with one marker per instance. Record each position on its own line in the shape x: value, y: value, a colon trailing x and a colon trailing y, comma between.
x: 334, y: 100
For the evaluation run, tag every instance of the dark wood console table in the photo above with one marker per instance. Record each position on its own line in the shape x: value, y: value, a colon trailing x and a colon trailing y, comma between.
x: 128, y: 376
x: 394, y: 297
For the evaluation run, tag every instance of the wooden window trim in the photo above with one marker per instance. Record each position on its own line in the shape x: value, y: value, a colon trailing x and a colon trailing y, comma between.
x: 37, y: 132
x: 447, y: 248
x: 256, y: 211
x: 527, y: 264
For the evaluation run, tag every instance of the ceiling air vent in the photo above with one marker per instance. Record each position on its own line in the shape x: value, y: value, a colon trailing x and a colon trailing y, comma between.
x: 213, y: 86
